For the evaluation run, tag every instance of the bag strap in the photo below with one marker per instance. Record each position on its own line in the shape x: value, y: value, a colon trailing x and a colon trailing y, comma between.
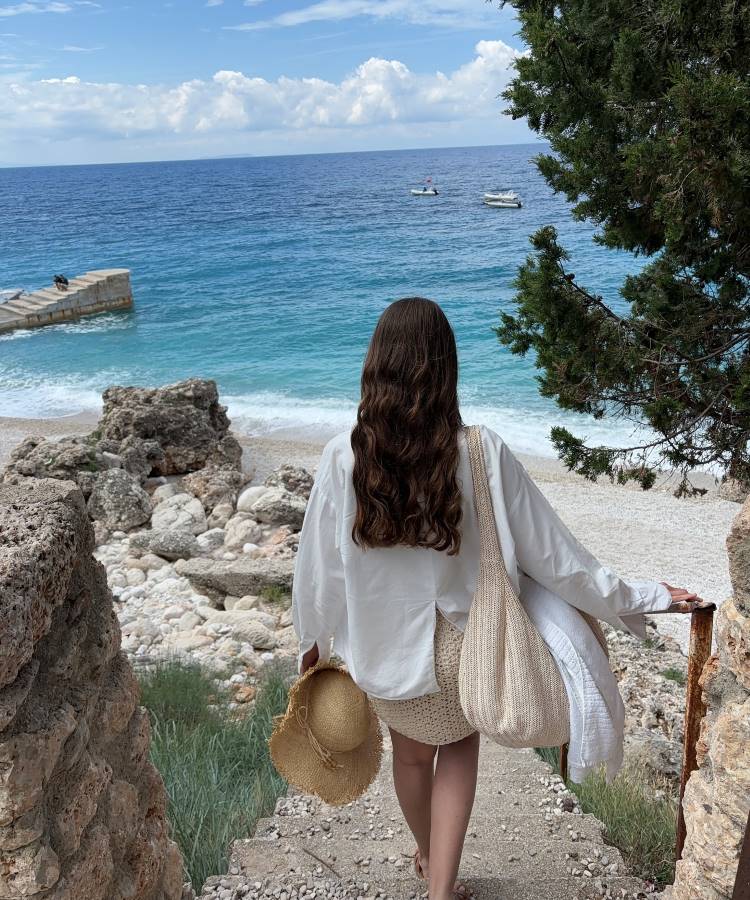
x: 490, y: 554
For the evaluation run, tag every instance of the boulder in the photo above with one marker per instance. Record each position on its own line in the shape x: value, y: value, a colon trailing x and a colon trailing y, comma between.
x: 220, y: 515
x: 280, y: 507
x: 294, y: 479
x: 185, y: 419
x: 211, y: 540
x: 72, y: 458
x: 237, y: 577
x: 242, y: 529
x: 213, y: 485
x: 251, y: 626
x: 118, y: 501
x: 248, y: 497
x: 170, y: 544
x: 247, y: 602
x: 181, y: 512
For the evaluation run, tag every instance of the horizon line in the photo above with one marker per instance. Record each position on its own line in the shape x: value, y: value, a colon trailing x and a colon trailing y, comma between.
x: 236, y: 156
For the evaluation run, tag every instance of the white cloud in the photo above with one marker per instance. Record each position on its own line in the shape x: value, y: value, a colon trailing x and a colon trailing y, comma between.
x: 445, y: 13
x: 214, y: 2
x: 18, y: 9
x: 379, y: 93
x: 40, y: 6
x: 253, y: 2
x: 74, y: 48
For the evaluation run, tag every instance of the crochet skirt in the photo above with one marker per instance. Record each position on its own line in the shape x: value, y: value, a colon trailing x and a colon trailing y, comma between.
x: 434, y: 719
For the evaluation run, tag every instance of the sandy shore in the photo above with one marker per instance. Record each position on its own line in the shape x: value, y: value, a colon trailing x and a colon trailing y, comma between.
x: 640, y: 534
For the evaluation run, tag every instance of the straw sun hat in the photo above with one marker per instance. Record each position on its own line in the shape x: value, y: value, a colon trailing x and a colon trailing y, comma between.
x: 328, y: 742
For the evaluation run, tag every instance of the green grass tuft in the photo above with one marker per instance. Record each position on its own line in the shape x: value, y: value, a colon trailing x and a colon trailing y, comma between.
x: 214, y: 761
x: 673, y: 674
x: 274, y: 594
x: 639, y: 813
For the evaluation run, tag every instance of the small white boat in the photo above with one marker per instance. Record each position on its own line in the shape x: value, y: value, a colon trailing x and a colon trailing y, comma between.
x: 502, y: 200
x: 424, y: 192
x: 501, y: 195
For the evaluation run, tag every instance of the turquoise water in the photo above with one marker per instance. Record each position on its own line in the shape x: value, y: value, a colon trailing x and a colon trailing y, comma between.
x: 268, y: 274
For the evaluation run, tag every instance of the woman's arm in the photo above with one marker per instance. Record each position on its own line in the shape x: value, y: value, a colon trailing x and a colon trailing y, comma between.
x: 318, y: 593
x: 549, y: 553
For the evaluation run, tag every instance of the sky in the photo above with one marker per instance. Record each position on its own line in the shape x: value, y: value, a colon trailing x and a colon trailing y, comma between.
x: 111, y: 81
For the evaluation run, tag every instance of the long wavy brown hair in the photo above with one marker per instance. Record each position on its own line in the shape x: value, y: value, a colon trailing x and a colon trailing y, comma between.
x: 405, y: 441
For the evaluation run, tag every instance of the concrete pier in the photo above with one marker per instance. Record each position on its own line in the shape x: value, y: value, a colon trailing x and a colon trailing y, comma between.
x: 94, y: 292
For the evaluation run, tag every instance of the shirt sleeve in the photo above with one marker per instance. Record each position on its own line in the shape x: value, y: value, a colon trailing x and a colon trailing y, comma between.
x: 318, y: 592
x: 548, y: 552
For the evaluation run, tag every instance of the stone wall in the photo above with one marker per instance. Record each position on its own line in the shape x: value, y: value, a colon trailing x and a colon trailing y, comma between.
x: 717, y: 796
x: 82, y: 810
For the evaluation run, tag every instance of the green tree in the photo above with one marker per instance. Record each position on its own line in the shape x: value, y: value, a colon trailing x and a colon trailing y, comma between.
x: 646, y: 108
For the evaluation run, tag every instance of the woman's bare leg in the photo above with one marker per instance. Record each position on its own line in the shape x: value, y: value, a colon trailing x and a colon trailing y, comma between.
x: 453, y: 789
x: 413, y: 765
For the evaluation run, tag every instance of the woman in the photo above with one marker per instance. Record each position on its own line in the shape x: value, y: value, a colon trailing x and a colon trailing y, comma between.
x: 388, y: 562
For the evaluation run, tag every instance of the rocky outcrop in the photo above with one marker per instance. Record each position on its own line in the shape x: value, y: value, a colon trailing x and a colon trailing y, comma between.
x: 82, y: 810
x: 118, y: 501
x: 237, y: 577
x: 717, y: 796
x: 185, y: 419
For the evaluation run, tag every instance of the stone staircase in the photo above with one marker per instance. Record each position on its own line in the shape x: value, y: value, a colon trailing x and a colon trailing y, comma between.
x: 527, y: 840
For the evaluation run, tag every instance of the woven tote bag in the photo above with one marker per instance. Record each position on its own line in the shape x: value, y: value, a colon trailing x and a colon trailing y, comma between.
x: 510, y: 688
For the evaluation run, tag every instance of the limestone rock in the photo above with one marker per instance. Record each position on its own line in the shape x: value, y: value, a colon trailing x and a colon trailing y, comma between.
x: 211, y: 540
x: 241, y: 529
x: 220, y: 515
x: 733, y: 490
x: 237, y: 577
x: 119, y: 501
x: 170, y: 544
x: 738, y: 550
x: 215, y: 484
x: 185, y: 419
x: 248, y: 497
x: 251, y: 626
x: 294, y: 479
x: 278, y: 506
x: 71, y: 458
x: 71, y: 728
x: 181, y: 512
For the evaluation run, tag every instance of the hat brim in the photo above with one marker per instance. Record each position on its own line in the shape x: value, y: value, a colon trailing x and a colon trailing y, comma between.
x: 297, y: 762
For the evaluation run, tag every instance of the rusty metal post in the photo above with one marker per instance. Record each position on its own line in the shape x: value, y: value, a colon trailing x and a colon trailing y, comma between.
x: 742, y: 881
x: 564, y: 762
x: 701, y: 633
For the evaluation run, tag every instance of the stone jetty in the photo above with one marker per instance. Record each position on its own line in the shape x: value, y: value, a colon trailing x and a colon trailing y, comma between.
x: 86, y: 295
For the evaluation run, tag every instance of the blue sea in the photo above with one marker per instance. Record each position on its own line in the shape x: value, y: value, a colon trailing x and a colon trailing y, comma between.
x: 268, y: 275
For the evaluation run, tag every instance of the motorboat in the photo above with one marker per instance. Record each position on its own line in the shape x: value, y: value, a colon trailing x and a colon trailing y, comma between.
x: 428, y: 190
x: 502, y: 200
x: 501, y: 195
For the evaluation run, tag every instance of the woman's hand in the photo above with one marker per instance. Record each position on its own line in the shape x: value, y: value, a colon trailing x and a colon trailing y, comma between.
x: 684, y: 601
x: 310, y: 658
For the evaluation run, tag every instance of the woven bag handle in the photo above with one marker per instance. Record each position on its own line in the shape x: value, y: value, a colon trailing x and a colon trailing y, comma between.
x: 490, y: 554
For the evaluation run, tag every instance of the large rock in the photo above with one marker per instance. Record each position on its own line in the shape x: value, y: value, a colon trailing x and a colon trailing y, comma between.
x: 251, y: 626
x: 170, y: 543
x: 717, y: 797
x: 182, y: 512
x: 294, y: 479
x: 213, y: 485
x: 185, y: 419
x: 72, y: 738
x: 118, y: 501
x: 242, y: 529
x: 238, y: 577
x: 277, y: 506
x: 73, y: 458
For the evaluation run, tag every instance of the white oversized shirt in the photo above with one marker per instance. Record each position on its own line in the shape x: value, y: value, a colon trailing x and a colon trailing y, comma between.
x: 378, y: 605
